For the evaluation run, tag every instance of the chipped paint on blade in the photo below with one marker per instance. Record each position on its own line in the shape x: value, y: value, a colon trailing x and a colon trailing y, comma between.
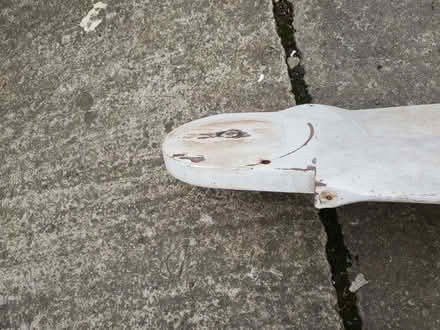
x: 91, y: 21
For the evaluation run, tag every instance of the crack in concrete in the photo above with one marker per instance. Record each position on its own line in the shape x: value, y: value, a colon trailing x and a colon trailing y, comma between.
x: 284, y: 15
x: 338, y: 256
x: 340, y: 260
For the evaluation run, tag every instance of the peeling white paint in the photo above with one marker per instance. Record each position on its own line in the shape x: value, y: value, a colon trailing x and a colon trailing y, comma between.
x: 91, y: 21
x: 358, y: 283
x: 261, y: 78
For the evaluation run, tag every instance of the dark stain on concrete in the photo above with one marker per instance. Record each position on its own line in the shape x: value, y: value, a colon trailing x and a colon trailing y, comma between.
x: 90, y: 117
x: 84, y: 101
x: 155, y: 162
x: 168, y: 126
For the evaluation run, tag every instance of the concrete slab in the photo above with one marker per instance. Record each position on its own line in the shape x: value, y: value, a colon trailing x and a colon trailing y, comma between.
x: 397, y: 248
x: 378, y: 53
x: 359, y: 54
x: 94, y: 233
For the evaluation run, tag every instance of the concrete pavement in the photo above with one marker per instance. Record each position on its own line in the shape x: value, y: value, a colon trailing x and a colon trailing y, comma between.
x: 94, y: 232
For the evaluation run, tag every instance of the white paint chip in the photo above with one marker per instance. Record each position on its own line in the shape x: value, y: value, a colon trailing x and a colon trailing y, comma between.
x: 261, y: 78
x: 91, y: 21
x: 358, y: 283
x: 206, y: 219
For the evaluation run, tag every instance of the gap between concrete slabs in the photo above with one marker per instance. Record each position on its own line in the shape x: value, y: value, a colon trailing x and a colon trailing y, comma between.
x: 338, y: 256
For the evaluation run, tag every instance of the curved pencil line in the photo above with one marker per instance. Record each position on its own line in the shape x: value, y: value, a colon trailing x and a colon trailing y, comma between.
x: 312, y: 133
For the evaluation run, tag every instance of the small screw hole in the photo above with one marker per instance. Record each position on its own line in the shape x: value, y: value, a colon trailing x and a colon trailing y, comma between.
x: 265, y: 162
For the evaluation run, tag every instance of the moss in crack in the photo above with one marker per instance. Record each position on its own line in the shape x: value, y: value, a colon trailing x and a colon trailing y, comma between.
x: 284, y: 14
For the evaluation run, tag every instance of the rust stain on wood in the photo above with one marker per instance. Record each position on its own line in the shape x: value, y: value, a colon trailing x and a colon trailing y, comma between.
x: 261, y: 162
x: 320, y: 184
x: 327, y: 196
x: 227, y: 134
x: 194, y: 159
